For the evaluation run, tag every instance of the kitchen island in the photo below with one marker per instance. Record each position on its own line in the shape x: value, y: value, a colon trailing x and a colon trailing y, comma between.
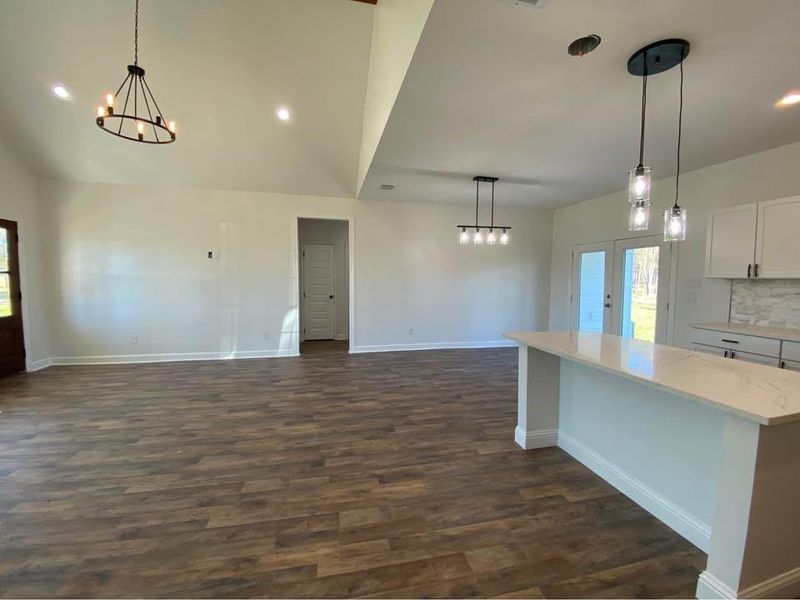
x: 708, y: 445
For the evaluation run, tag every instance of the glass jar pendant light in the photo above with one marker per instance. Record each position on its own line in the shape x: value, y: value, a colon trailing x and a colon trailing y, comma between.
x: 650, y: 60
x: 675, y: 217
x: 140, y: 119
x: 477, y: 236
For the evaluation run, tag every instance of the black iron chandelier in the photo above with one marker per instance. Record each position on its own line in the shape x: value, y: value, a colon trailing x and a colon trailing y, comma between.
x: 477, y: 236
x: 141, y: 119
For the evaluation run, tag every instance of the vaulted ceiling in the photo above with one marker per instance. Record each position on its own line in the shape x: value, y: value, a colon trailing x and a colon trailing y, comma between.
x: 220, y: 68
x: 490, y: 90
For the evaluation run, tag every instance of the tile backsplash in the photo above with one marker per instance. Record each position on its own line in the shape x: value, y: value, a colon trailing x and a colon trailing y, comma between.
x: 769, y: 302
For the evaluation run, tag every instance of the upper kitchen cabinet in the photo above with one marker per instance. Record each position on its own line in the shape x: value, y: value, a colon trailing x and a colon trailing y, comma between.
x: 755, y: 241
x: 731, y: 242
x: 778, y: 238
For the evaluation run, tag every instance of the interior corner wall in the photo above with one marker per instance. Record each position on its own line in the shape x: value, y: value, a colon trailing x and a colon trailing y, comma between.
x: 334, y: 233
x: 129, y: 278
x: 754, y: 178
x: 19, y: 202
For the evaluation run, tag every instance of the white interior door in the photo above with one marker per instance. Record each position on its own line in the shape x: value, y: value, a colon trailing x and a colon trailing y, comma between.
x: 641, y: 293
x: 319, y: 302
x: 592, y: 269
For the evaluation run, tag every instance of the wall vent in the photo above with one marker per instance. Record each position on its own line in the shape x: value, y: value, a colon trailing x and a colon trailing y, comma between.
x: 531, y: 3
x: 387, y: 186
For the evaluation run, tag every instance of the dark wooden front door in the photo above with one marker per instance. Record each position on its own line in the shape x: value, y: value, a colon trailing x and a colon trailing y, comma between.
x: 12, y: 345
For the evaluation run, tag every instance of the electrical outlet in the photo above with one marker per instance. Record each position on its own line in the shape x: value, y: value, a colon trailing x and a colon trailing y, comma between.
x: 134, y: 340
x: 694, y: 283
x: 691, y: 298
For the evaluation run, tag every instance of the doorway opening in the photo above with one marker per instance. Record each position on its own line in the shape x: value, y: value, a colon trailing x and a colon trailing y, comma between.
x: 324, y: 285
x: 624, y: 287
x: 12, y: 340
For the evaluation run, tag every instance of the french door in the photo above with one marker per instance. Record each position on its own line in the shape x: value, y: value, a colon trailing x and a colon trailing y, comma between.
x: 623, y: 287
x: 12, y: 346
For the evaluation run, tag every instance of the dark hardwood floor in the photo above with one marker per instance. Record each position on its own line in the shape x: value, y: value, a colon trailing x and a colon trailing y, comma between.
x: 328, y: 475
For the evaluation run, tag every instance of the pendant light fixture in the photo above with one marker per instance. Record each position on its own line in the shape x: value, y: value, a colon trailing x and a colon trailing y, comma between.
x: 675, y: 217
x: 477, y: 238
x: 140, y: 119
x: 650, y: 60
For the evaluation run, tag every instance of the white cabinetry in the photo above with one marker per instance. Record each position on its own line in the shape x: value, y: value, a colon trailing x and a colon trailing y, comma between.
x: 731, y: 242
x: 762, y: 346
x: 778, y: 238
x: 755, y: 241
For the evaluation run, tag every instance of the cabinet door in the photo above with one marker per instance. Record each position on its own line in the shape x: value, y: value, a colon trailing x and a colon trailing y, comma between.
x: 710, y: 350
x: 778, y: 242
x: 754, y: 358
x: 731, y: 241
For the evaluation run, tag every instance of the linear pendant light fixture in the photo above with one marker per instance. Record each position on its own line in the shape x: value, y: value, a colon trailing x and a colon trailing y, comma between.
x: 141, y: 119
x: 653, y: 59
x: 477, y: 237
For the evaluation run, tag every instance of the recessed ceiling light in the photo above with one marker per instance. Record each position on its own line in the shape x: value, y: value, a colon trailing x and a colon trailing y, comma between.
x: 789, y: 99
x: 283, y: 113
x: 61, y: 92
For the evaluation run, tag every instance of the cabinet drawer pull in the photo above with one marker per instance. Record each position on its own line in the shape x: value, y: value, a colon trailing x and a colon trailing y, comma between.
x: 726, y: 354
x: 783, y: 364
x: 730, y: 341
x: 749, y: 269
x: 755, y: 270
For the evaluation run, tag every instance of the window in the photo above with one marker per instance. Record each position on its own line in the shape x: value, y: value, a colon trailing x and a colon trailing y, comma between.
x: 5, y: 275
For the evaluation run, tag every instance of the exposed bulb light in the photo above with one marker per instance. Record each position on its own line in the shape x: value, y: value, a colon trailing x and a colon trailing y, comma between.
x: 101, y: 111
x: 61, y: 92
x: 475, y: 233
x: 284, y: 114
x: 639, y: 218
x: 505, y: 238
x: 110, y: 100
x: 140, y: 130
x: 789, y: 99
x: 173, y: 127
x: 675, y: 224
x: 639, y: 184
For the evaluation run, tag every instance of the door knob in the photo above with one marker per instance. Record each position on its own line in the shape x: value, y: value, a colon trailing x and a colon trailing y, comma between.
x: 607, y: 304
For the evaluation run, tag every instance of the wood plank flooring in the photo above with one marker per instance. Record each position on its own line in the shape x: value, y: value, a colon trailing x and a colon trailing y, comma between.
x: 329, y: 475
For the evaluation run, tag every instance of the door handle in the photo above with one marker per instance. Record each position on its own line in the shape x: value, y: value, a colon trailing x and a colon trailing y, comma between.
x: 607, y: 304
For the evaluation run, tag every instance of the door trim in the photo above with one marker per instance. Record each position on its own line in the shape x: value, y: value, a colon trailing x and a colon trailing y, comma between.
x: 290, y: 328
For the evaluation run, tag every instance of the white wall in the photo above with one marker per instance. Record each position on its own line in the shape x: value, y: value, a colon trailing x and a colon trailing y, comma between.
x: 762, y: 176
x: 130, y: 262
x: 396, y: 29
x: 334, y: 233
x: 19, y: 202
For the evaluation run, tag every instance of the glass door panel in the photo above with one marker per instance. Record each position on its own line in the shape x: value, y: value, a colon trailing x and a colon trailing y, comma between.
x: 641, y: 288
x: 591, y: 299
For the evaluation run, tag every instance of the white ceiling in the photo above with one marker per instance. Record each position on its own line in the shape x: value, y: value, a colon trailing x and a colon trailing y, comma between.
x: 220, y: 68
x: 491, y: 90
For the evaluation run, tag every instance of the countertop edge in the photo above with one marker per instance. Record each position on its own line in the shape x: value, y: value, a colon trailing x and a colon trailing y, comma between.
x: 755, y: 418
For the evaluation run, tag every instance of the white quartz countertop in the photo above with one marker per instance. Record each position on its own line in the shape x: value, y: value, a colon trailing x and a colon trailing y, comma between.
x: 759, y: 393
x: 776, y: 333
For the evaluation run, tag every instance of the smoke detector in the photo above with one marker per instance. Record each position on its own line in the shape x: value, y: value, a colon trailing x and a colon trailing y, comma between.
x: 531, y: 3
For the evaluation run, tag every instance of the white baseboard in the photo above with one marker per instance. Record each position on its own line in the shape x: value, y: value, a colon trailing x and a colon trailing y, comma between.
x: 175, y: 357
x: 711, y: 588
x: 785, y: 585
x: 528, y: 440
x: 687, y: 525
x: 38, y: 365
x: 431, y: 346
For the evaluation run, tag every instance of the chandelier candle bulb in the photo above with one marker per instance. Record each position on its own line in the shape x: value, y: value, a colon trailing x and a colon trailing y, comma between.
x: 101, y: 112
x: 110, y: 100
x: 172, y: 127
